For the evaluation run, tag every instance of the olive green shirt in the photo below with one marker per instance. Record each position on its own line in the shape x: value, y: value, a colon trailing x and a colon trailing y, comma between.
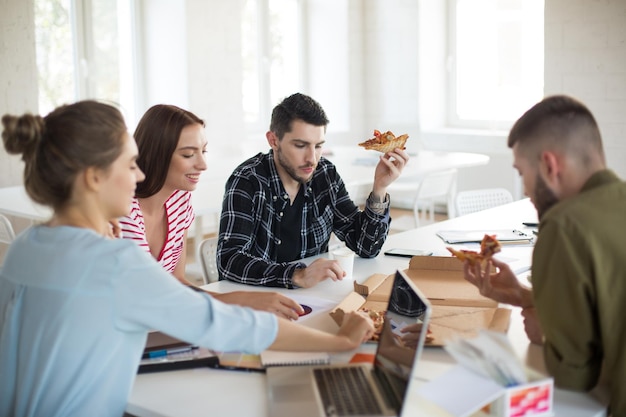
x: 579, y: 287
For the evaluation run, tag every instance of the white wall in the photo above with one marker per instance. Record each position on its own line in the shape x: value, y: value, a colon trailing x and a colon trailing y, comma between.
x: 391, y: 78
x: 18, y: 74
x: 585, y: 56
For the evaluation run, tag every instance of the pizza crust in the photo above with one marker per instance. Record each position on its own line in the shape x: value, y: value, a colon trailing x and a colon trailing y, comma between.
x: 385, y: 142
x: 489, y: 246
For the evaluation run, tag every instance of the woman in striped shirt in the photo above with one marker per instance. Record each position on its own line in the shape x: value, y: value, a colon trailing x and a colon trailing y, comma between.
x: 171, y: 146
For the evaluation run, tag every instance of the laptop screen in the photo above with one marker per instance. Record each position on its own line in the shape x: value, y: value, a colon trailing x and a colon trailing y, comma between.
x: 398, y: 351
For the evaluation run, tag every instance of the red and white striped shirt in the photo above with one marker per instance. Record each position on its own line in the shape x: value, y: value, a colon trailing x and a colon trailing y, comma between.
x: 179, y: 214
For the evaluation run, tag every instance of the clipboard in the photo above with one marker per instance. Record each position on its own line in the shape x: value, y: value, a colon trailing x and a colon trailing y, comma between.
x: 476, y: 236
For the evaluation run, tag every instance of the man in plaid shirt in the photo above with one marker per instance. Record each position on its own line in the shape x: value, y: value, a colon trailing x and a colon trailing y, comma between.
x: 283, y: 206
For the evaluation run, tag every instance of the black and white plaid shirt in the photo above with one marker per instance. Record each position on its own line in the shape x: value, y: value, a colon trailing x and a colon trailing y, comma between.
x: 251, y: 214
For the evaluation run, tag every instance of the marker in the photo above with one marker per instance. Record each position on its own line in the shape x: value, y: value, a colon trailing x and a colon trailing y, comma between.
x: 166, y: 352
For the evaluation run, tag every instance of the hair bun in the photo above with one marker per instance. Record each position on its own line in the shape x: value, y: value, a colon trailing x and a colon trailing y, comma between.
x: 22, y: 134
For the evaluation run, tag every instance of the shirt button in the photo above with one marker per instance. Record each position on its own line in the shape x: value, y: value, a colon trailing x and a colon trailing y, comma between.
x: 280, y: 214
x: 278, y: 242
x: 286, y: 196
x: 274, y: 198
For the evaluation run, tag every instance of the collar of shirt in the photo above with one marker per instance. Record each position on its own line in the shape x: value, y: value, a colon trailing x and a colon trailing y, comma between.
x: 276, y: 184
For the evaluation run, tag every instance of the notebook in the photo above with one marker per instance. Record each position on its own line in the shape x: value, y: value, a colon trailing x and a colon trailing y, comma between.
x: 166, y: 353
x: 280, y: 358
x: 361, y: 388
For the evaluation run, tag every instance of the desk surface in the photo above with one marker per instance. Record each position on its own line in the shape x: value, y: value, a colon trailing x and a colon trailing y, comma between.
x: 202, y: 392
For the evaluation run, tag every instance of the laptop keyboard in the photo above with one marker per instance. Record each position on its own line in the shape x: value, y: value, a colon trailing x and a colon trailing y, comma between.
x: 346, y: 392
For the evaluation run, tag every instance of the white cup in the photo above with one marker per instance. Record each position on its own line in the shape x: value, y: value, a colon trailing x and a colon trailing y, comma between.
x: 345, y: 258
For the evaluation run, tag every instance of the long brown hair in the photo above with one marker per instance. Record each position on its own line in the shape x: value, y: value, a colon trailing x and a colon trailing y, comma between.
x: 157, y: 136
x: 56, y: 148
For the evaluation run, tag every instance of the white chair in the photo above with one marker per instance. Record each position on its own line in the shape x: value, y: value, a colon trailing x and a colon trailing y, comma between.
x: 207, y: 256
x: 433, y: 187
x: 477, y: 200
x: 7, y: 235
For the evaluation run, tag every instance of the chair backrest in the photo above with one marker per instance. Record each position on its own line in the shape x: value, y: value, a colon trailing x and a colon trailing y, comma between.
x: 7, y: 235
x: 433, y: 185
x: 207, y: 255
x: 476, y: 200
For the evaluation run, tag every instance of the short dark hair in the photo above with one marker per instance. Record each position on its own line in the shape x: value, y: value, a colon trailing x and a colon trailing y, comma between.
x: 296, y: 107
x: 56, y: 148
x: 558, y: 121
x: 157, y: 136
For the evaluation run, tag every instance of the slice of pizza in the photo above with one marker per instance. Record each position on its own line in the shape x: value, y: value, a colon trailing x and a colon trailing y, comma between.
x: 378, y: 317
x: 489, y: 246
x: 385, y: 142
x: 463, y: 255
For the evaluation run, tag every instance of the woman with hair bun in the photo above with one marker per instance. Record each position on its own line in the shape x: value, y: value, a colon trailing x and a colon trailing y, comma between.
x: 76, y: 305
x: 172, y: 146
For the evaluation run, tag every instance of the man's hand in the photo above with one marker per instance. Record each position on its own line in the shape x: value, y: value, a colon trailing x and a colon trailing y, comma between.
x: 318, y: 271
x: 501, y: 286
x: 388, y: 170
x: 532, y: 325
x: 357, y: 327
x: 273, y: 302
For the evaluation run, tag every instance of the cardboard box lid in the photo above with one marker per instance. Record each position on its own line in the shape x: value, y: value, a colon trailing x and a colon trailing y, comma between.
x: 441, y: 279
x: 464, y: 319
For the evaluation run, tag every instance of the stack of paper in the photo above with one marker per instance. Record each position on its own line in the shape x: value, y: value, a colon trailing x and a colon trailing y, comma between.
x: 469, y: 236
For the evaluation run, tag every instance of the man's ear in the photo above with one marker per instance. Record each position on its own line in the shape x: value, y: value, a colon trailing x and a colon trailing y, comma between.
x: 272, y: 139
x: 550, y: 169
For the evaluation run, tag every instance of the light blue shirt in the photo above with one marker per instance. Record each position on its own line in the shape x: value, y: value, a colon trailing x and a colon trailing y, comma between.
x: 75, y: 309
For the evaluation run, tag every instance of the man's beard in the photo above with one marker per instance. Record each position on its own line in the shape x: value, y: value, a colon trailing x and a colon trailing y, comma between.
x: 544, y: 197
x: 289, y: 169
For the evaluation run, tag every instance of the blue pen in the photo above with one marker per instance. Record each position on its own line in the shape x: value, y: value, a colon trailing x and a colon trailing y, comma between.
x: 165, y: 352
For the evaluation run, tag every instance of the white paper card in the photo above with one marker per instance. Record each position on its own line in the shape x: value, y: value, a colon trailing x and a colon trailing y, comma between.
x: 461, y: 392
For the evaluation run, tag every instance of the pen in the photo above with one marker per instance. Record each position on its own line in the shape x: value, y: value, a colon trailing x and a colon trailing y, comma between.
x: 166, y: 352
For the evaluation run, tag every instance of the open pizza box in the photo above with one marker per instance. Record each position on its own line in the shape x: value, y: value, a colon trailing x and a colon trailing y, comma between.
x: 458, y: 308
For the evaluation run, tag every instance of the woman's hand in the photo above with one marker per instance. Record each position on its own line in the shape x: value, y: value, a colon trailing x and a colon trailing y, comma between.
x: 357, y: 327
x: 273, y: 302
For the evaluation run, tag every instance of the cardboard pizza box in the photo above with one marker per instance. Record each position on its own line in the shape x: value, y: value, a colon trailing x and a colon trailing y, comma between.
x: 458, y: 307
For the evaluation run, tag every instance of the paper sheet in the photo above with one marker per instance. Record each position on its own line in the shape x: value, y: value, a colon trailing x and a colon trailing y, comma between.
x: 461, y: 392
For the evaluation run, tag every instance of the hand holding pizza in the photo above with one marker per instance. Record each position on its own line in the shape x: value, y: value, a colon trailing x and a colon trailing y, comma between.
x: 502, y: 285
x: 392, y: 161
x: 357, y: 327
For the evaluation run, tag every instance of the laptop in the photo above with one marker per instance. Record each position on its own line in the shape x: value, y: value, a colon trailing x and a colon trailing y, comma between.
x: 358, y: 389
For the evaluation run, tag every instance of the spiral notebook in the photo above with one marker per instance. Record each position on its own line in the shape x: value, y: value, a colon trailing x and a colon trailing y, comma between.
x: 280, y: 358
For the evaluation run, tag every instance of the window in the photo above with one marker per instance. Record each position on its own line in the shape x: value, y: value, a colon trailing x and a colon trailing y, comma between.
x: 496, y: 58
x: 55, y: 54
x: 270, y: 54
x: 84, y: 51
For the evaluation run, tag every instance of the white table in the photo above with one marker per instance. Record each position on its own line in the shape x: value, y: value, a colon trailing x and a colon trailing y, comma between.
x: 15, y: 202
x: 202, y: 392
